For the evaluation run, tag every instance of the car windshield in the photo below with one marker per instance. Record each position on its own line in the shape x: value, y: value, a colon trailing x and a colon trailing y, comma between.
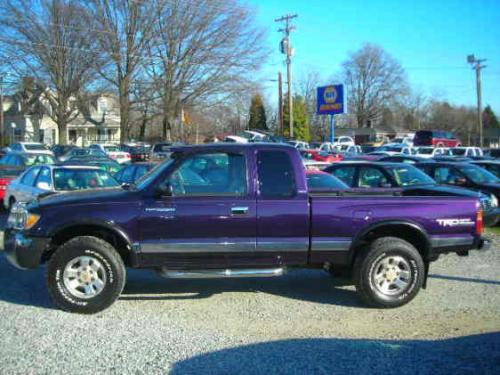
x: 410, y: 176
x: 80, y: 179
x: 30, y: 160
x: 164, y: 147
x: 426, y: 151
x: 324, y: 181
x: 478, y: 174
x: 34, y: 147
x: 111, y: 148
x: 458, y: 151
x: 146, y: 179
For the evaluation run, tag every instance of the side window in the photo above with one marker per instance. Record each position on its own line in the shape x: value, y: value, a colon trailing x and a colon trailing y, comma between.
x: 210, y: 174
x: 44, y: 177
x: 446, y: 175
x: 30, y: 176
x: 276, y: 176
x: 346, y: 174
x: 371, y: 178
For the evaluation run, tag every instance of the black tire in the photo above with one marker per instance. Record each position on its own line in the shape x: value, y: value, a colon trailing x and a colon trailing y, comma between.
x: 369, y: 263
x: 12, y: 202
x: 112, y: 270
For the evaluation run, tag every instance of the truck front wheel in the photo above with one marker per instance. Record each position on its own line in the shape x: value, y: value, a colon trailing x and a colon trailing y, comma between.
x: 85, y: 275
x: 389, y: 273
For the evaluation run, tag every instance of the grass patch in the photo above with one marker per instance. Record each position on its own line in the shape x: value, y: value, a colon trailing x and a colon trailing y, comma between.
x: 493, y: 230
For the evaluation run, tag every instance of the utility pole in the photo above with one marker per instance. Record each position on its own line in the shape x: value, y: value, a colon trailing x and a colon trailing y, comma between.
x: 2, y: 127
x: 280, y: 103
x: 477, y: 66
x: 286, y: 48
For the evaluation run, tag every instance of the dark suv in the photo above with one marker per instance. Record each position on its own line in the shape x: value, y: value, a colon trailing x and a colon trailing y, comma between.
x: 436, y: 138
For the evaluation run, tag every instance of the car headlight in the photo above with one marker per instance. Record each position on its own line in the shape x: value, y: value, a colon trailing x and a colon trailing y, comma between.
x: 20, y: 218
x: 494, y: 201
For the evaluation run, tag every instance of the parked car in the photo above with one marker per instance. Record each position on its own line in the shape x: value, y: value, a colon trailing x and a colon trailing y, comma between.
x: 82, y: 152
x: 431, y: 152
x: 404, y: 141
x: 491, y: 166
x: 411, y: 180
x: 196, y: 216
x: 103, y: 162
x: 42, y: 180
x: 246, y: 136
x: 349, y: 150
x: 30, y: 147
x: 60, y: 150
x: 6, y: 176
x: 161, y: 151
x: 137, y: 153
x: 395, y: 149
x: 436, y: 139
x: 468, y: 152
x: 320, y: 156
x: 337, y: 141
x: 465, y: 175
x: 322, y: 181
x: 113, y: 152
x: 299, y: 145
x: 131, y: 173
x: 23, y: 160
x: 313, y: 165
x: 492, y: 153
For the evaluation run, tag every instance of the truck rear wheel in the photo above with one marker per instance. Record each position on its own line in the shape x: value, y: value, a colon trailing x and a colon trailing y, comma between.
x: 85, y: 275
x: 389, y: 273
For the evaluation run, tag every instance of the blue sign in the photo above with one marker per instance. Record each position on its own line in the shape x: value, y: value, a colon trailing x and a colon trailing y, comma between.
x: 331, y: 100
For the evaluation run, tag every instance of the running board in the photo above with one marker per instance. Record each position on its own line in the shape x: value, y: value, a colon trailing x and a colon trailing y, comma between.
x: 224, y: 273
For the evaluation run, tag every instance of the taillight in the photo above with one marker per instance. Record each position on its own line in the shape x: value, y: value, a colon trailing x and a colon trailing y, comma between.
x: 3, y: 187
x: 479, y: 222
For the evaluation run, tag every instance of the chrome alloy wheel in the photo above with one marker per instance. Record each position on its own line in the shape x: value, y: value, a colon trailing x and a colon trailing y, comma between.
x: 391, y: 275
x: 84, y: 277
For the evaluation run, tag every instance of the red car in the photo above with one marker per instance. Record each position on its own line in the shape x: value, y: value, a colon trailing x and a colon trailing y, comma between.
x: 6, y: 176
x: 321, y: 156
x: 436, y: 138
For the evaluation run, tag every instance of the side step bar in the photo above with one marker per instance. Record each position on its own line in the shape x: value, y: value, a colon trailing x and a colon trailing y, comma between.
x: 221, y: 273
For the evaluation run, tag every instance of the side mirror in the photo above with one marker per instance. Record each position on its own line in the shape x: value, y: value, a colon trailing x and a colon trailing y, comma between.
x: 43, y: 186
x: 164, y: 189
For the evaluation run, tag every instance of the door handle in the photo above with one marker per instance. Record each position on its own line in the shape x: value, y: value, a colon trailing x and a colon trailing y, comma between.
x: 239, y: 210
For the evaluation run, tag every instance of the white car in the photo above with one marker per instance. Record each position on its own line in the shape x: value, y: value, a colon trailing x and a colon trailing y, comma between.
x: 313, y: 165
x: 113, y: 151
x: 30, y: 147
x: 337, y: 141
x: 299, y: 145
x: 349, y: 149
x: 430, y: 152
x: 246, y: 136
x: 396, y: 149
x: 46, y: 179
x: 405, y: 141
x: 466, y: 151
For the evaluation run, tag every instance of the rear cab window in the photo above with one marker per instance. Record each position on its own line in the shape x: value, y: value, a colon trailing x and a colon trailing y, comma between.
x: 276, y: 175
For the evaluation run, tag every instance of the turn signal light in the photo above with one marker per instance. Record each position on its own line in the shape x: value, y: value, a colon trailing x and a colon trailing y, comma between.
x: 31, y: 220
x: 479, y: 222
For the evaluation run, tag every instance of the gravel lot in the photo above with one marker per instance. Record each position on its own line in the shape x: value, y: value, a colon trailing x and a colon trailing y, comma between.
x: 300, y: 323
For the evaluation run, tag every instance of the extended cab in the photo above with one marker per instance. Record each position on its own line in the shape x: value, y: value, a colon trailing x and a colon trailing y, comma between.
x: 235, y: 210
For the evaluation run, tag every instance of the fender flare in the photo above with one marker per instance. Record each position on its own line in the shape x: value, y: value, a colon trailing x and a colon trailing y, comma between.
x: 359, y: 237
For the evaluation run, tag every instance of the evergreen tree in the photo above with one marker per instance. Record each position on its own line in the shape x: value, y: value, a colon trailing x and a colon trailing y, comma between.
x: 489, y: 118
x: 300, y: 119
x: 257, y: 113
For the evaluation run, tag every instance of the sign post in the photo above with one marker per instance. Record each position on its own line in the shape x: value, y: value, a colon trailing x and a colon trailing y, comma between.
x: 330, y: 101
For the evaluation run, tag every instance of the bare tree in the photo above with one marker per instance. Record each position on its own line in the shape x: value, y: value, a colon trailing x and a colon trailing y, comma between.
x: 49, y: 39
x: 123, y: 29
x: 204, y: 51
x: 374, y: 79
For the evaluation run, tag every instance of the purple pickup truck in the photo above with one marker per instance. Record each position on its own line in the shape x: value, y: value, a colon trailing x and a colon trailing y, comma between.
x: 233, y: 210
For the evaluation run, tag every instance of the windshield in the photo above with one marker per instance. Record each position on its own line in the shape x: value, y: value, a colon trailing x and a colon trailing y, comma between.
x: 164, y: 147
x: 79, y: 179
x: 324, y: 181
x: 425, y: 151
x: 34, y: 147
x: 145, y: 180
x: 478, y: 174
x: 30, y: 160
x: 458, y: 151
x: 410, y: 176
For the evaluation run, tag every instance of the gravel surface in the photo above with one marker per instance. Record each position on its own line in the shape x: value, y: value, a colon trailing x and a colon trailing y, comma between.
x: 299, y: 323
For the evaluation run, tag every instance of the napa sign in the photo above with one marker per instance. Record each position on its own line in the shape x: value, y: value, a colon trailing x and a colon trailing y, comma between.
x: 331, y: 100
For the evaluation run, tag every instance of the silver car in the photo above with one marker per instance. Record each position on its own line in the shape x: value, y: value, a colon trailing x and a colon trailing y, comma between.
x: 43, y: 179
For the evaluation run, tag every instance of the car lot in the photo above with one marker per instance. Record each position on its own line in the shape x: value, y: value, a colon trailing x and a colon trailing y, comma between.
x: 299, y: 323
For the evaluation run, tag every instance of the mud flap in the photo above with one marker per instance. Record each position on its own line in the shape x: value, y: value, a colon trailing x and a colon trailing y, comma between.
x: 427, y: 265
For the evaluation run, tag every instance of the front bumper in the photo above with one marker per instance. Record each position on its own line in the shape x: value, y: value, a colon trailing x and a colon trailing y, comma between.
x: 23, y: 251
x: 491, y: 217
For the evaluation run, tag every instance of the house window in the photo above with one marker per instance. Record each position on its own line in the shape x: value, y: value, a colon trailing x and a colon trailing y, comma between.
x: 72, y: 136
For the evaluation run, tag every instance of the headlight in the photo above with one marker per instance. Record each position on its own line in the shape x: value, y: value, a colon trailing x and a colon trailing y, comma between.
x: 494, y: 201
x: 20, y: 218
